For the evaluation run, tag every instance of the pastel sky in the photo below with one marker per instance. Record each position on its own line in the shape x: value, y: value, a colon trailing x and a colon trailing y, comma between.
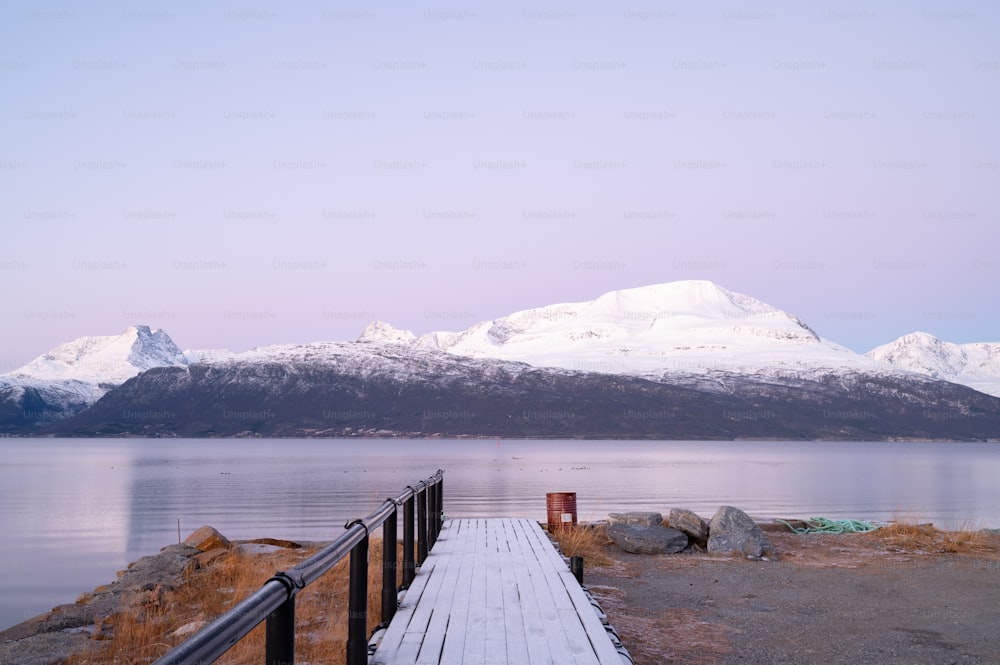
x: 242, y: 174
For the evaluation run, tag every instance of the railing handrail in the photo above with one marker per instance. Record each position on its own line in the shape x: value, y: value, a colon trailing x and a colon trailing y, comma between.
x: 275, y: 599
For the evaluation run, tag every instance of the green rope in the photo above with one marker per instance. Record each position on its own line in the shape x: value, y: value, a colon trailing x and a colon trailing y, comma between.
x: 823, y: 525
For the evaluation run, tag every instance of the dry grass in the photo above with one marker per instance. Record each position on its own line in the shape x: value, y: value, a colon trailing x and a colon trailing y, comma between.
x: 589, y: 542
x: 908, y: 537
x: 146, y: 627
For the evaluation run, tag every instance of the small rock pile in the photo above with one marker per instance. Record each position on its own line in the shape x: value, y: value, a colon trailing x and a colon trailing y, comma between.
x: 730, y: 531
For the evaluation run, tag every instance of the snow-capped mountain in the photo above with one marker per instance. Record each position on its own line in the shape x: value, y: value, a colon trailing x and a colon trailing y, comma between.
x: 111, y: 359
x: 976, y: 365
x: 664, y: 330
x: 74, y: 375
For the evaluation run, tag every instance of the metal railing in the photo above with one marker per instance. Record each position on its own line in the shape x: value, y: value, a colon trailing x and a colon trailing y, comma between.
x: 275, y: 601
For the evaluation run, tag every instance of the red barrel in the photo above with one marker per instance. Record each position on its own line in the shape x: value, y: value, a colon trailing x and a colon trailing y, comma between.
x: 561, y: 508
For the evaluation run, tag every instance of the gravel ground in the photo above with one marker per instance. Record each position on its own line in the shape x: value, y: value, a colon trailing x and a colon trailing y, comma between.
x: 829, y: 599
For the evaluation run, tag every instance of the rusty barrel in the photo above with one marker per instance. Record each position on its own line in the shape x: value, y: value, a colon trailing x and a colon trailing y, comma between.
x: 561, y: 507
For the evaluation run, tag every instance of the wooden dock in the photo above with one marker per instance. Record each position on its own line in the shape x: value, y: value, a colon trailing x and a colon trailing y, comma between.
x: 495, y: 591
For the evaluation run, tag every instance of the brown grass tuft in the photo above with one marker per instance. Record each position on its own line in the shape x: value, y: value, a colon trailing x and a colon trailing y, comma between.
x: 145, y: 627
x: 589, y: 542
x: 908, y: 537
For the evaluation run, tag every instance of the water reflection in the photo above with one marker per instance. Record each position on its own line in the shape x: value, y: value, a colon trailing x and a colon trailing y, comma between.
x: 64, y: 522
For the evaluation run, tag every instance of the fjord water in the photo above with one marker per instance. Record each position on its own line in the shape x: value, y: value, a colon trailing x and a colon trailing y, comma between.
x: 74, y: 511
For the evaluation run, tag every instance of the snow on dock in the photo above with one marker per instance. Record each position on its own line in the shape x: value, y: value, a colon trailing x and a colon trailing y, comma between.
x: 495, y: 591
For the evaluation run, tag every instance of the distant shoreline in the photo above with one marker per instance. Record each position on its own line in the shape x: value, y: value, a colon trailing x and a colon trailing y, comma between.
x: 483, y: 437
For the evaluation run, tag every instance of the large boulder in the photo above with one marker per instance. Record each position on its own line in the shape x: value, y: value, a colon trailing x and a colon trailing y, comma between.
x: 732, y: 530
x: 206, y: 538
x: 647, y: 539
x: 690, y: 523
x: 636, y: 519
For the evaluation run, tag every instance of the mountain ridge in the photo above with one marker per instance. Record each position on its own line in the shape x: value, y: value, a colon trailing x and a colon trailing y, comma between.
x: 390, y: 391
x: 975, y: 364
x: 691, y: 342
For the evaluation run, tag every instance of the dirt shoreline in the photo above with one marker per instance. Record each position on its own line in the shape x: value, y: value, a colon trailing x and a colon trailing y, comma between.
x: 829, y: 599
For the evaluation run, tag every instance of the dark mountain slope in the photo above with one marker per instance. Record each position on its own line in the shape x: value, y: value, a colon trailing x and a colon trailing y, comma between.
x: 435, y: 394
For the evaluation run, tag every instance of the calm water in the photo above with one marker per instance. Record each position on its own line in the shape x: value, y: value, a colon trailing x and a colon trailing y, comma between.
x: 75, y: 511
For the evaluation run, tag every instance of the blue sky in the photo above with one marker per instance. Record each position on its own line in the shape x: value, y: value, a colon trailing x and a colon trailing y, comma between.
x: 245, y: 174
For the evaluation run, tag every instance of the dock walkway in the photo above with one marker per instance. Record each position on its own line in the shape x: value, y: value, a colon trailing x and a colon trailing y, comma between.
x: 495, y: 591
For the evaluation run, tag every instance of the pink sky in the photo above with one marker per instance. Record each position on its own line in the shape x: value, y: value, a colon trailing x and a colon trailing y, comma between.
x: 242, y: 176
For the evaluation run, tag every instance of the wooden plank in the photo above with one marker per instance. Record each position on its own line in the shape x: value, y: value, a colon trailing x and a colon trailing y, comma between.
x: 569, y: 598
x: 582, y: 612
x: 474, y: 650
x: 435, y: 631
x: 555, y: 577
x: 404, y: 613
x: 404, y: 637
x: 513, y: 614
x: 458, y: 620
x: 596, y: 633
x: 552, y: 606
x: 538, y: 647
x: 496, y: 640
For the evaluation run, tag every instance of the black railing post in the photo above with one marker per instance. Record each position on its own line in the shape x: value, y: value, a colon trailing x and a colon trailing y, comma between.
x: 409, y: 566
x: 576, y: 567
x: 389, y: 566
x: 422, y: 525
x: 431, y: 515
x: 439, y: 509
x: 357, y: 606
x: 279, y: 633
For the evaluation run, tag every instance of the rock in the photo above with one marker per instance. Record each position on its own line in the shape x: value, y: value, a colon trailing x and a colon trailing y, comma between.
x: 206, y: 538
x: 690, y: 524
x: 205, y: 559
x: 277, y: 542
x: 165, y: 569
x: 258, y: 548
x: 636, y: 519
x: 732, y: 530
x: 647, y: 539
x: 44, y: 649
x: 189, y: 628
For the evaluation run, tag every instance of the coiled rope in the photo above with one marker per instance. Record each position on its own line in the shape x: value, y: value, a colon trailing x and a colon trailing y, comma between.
x: 823, y: 525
